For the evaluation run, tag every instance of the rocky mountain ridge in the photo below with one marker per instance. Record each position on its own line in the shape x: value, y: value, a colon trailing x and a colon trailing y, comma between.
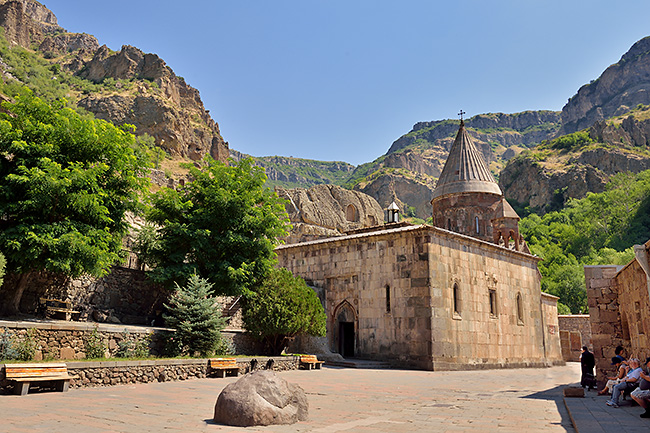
x: 145, y: 91
x: 621, y: 87
x: 289, y: 172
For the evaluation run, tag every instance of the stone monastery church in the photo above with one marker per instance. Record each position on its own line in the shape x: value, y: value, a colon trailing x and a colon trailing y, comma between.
x: 461, y: 294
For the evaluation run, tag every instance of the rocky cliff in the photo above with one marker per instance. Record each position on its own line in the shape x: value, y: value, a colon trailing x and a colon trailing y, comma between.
x: 621, y: 87
x: 145, y: 91
x: 546, y: 177
x: 328, y: 210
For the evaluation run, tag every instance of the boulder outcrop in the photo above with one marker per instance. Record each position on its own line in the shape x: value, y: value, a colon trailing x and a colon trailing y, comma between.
x: 261, y: 398
x: 328, y: 210
x: 68, y: 42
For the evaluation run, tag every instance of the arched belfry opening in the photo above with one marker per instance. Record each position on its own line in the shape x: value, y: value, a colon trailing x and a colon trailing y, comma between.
x: 344, y: 327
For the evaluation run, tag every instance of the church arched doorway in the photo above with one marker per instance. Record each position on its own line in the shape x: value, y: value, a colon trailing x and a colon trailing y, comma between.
x: 345, y: 323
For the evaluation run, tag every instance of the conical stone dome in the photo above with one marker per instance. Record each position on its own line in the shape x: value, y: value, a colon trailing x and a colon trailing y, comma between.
x: 465, y: 170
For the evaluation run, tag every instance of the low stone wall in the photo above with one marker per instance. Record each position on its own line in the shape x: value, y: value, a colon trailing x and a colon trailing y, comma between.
x: 61, y: 340
x: 109, y: 373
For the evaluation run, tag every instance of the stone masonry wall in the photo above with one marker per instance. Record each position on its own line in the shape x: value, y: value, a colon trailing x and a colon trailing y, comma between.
x: 606, y: 329
x: 552, y: 343
x: 396, y: 285
x: 575, y: 332
x: 59, y: 340
x: 634, y: 308
x: 109, y: 373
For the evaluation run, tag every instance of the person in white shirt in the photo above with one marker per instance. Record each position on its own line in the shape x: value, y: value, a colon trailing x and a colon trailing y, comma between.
x: 632, y: 377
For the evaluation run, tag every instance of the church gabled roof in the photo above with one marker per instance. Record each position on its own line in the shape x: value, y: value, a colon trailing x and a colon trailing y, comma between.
x: 465, y: 169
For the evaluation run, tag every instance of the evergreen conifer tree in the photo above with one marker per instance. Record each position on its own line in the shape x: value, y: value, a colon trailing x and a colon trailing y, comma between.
x: 196, y: 316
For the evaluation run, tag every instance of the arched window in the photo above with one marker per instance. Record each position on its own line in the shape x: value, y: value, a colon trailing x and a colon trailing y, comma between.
x: 456, y: 299
x: 351, y: 213
x: 520, y: 310
x: 477, y: 229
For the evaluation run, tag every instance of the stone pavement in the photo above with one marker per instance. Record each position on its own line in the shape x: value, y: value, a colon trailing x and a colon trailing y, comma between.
x: 341, y: 400
x: 592, y: 415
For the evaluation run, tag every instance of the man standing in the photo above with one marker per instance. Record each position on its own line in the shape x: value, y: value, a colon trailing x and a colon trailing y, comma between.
x: 587, y: 363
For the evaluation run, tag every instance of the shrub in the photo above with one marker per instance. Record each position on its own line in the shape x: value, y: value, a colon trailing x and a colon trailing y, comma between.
x: 26, y: 347
x: 196, y: 316
x: 95, y: 345
x: 7, y: 350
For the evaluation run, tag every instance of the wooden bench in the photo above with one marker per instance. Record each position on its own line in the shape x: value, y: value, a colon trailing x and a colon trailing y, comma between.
x: 223, y: 367
x: 47, y: 307
x: 310, y: 361
x: 25, y: 374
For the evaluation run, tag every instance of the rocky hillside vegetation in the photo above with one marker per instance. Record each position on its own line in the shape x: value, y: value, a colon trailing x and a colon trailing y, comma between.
x: 289, y: 172
x: 572, y: 165
x: 124, y: 87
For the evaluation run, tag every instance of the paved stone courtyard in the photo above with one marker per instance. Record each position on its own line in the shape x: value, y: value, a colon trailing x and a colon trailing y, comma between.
x: 341, y: 400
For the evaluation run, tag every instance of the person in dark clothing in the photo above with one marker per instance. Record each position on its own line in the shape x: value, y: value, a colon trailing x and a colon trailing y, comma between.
x: 587, y: 363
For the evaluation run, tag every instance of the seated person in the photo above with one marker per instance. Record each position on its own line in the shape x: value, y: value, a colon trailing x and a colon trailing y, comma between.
x: 642, y: 394
x: 621, y: 370
x: 631, y: 378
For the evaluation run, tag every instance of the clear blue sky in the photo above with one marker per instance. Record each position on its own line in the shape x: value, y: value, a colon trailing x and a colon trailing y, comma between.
x: 340, y: 80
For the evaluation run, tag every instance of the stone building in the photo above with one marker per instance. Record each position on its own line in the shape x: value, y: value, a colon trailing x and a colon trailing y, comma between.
x: 619, y: 300
x: 444, y: 297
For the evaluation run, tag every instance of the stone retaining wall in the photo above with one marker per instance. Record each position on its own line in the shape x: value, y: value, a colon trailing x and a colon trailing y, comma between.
x: 60, y: 340
x: 109, y: 373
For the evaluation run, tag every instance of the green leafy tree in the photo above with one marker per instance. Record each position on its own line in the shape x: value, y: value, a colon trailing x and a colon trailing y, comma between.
x: 196, y: 316
x: 66, y: 183
x: 282, y: 307
x: 595, y: 230
x: 224, y: 225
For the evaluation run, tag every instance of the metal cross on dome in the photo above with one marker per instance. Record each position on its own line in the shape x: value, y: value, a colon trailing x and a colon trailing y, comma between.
x: 461, y: 114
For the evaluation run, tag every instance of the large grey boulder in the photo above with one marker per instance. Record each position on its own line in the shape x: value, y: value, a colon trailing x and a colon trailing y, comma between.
x: 261, y: 398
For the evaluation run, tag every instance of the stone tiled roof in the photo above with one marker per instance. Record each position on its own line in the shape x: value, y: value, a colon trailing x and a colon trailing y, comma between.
x: 403, y: 229
x: 504, y: 210
x: 465, y: 169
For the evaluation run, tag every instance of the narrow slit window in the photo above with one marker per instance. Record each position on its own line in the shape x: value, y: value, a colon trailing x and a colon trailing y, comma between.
x: 493, y: 303
x: 456, y: 297
x: 388, y: 299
